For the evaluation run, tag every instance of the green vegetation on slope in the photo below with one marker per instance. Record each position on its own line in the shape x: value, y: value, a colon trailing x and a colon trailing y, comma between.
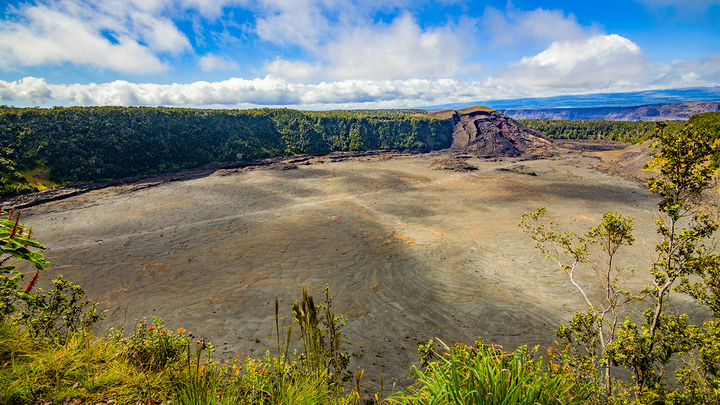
x: 709, y: 121
x: 102, y: 143
x: 620, y: 131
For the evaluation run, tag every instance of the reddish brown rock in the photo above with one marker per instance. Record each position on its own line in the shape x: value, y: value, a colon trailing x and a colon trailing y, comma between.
x: 490, y: 133
x: 483, y: 131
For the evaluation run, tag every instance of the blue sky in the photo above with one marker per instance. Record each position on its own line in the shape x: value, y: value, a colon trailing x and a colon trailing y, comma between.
x: 348, y: 53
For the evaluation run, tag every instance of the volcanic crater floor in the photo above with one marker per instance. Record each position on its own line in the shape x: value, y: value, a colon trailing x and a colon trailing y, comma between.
x: 409, y: 253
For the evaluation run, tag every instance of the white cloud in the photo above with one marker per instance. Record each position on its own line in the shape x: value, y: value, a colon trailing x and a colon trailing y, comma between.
x: 692, y: 72
x: 110, y: 35
x: 52, y: 37
x: 376, y: 50
x: 292, y: 22
x: 602, y: 63
x: 161, y: 34
x: 363, y: 61
x: 212, y: 62
x: 311, y: 23
x: 29, y: 89
x: 237, y: 92
x: 599, y: 62
x: 400, y: 49
x: 297, y: 71
x: 536, y: 26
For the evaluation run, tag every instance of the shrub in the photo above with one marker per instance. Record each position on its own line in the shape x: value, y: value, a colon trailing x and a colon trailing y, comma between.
x: 153, y: 348
x: 55, y: 314
x: 485, y: 374
x: 649, y: 342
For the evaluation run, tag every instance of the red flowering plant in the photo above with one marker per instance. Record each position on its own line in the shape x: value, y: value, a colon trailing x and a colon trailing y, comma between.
x: 49, y: 315
x: 16, y: 245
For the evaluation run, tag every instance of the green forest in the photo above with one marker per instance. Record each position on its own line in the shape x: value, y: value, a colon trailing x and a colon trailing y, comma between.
x: 619, y: 131
x: 90, y: 144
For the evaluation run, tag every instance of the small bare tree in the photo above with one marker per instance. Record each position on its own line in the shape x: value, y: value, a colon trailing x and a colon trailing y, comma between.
x: 645, y: 343
x: 590, y: 333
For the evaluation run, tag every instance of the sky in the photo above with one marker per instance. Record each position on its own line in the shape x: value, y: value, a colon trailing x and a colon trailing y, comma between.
x: 330, y: 54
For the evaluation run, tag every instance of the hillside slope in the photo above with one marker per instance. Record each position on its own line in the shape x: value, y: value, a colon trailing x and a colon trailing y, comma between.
x: 486, y: 132
x: 650, y: 112
x: 71, y: 145
x: 630, y: 162
x: 78, y: 145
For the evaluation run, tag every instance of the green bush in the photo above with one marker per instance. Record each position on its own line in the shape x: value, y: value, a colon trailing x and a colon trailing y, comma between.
x: 54, y: 315
x: 155, y: 347
x: 648, y: 341
x: 485, y: 374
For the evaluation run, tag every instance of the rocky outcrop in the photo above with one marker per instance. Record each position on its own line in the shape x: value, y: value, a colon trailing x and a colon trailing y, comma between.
x: 454, y: 164
x: 486, y: 132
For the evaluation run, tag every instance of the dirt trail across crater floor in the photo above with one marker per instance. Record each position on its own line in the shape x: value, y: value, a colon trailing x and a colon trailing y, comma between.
x: 409, y: 252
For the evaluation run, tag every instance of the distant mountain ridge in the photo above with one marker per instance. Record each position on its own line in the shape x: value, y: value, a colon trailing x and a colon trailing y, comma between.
x: 596, y: 99
x: 650, y: 112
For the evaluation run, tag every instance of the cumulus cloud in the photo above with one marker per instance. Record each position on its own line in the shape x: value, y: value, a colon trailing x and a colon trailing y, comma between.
x: 375, y: 50
x: 598, y: 62
x: 341, y: 38
x: 400, y: 49
x: 297, y: 71
x: 212, y: 62
x: 601, y: 63
x: 692, y: 72
x: 295, y: 22
x: 161, y: 34
x: 311, y: 23
x: 29, y: 89
x: 112, y: 35
x: 237, y: 92
x: 345, y: 55
x: 537, y: 26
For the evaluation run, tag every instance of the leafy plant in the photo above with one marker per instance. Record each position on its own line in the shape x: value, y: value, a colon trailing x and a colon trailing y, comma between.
x: 485, y: 374
x: 590, y: 333
x: 51, y: 315
x: 57, y: 313
x: 16, y: 242
x: 686, y: 163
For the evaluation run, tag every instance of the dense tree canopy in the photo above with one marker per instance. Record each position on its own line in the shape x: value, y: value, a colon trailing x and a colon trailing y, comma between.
x: 101, y: 143
x: 620, y: 131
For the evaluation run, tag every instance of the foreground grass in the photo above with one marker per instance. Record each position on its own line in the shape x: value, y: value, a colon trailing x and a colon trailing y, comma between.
x: 157, y: 365
x: 90, y: 369
x: 84, y: 368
